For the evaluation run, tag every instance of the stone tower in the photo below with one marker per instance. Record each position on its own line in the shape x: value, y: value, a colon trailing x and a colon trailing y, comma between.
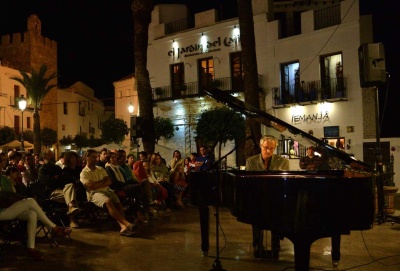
x: 29, y: 50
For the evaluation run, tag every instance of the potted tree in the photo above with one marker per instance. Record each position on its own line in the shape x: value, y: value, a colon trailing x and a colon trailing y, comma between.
x: 183, y: 89
x: 158, y: 91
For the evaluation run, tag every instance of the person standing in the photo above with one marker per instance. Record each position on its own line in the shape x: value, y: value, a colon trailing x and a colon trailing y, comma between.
x: 310, y: 161
x: 202, y: 164
x: 266, y: 161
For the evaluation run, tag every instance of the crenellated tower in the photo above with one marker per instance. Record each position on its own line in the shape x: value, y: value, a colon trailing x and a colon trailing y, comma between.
x: 29, y: 50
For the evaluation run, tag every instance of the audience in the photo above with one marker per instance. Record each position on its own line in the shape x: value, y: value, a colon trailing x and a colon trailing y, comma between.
x: 16, y: 206
x: 176, y: 160
x: 60, y: 189
x: 101, y: 162
x: 161, y: 173
x: 178, y: 180
x: 71, y: 174
x: 97, y: 182
x: 30, y: 174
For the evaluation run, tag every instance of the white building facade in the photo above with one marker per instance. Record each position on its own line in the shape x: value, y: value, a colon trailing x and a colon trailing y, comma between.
x: 308, y: 70
x: 80, y: 112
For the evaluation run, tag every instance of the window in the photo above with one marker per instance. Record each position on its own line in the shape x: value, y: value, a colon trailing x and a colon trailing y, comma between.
x: 17, y: 94
x: 237, y: 71
x: 63, y: 127
x: 332, y: 81
x: 206, y: 73
x: 290, y: 81
x: 28, y: 123
x: 177, y: 79
x: 65, y: 108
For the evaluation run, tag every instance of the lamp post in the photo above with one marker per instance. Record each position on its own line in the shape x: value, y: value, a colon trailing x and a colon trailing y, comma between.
x: 130, y: 110
x: 22, y: 107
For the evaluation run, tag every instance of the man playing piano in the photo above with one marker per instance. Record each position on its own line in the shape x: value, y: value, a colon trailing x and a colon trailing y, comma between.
x: 266, y: 161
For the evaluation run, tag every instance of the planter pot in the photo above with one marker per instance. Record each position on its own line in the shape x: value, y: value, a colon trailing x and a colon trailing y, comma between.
x: 388, y: 193
x: 388, y: 199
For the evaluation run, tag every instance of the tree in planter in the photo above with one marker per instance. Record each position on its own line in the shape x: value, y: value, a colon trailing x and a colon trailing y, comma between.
x: 81, y: 141
x: 28, y: 136
x: 48, y: 137
x: 6, y: 135
x: 183, y: 89
x: 65, y: 141
x: 163, y: 127
x: 158, y: 91
x: 114, y: 130
x: 220, y: 124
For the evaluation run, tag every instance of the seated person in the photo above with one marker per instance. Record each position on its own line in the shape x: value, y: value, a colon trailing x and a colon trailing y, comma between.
x: 266, y: 161
x: 160, y: 172
x: 15, y: 206
x: 180, y: 185
x: 71, y: 174
x: 97, y: 182
x: 60, y: 189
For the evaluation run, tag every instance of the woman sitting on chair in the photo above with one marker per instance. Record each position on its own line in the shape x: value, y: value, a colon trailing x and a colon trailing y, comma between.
x: 14, y: 206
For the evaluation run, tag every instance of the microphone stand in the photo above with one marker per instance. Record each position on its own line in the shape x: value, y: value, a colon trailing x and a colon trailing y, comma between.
x: 217, y: 266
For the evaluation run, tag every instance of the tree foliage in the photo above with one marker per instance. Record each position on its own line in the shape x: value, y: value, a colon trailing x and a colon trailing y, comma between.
x: 94, y: 142
x: 163, y: 127
x: 6, y: 135
x: 28, y: 136
x: 114, y: 130
x: 49, y: 137
x: 220, y: 124
x: 65, y: 141
x: 81, y: 141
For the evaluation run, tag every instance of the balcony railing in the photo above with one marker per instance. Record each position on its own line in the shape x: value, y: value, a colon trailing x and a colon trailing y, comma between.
x: 193, y: 89
x: 327, y: 17
x: 333, y: 89
x: 178, y: 26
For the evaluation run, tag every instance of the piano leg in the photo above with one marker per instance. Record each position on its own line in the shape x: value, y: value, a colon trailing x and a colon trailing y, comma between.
x: 302, y: 254
x: 258, y: 237
x: 335, y: 253
x: 275, y: 245
x: 204, y: 228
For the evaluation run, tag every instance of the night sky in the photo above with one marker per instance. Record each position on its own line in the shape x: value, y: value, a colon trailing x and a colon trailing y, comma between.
x: 95, y: 41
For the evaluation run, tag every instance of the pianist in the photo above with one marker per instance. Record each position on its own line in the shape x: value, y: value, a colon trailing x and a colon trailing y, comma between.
x: 266, y: 161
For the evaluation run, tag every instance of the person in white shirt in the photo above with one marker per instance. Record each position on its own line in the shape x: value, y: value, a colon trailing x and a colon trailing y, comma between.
x: 97, y: 182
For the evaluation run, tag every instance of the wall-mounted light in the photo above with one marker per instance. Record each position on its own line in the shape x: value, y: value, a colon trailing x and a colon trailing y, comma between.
x: 217, y: 58
x: 236, y: 31
x: 187, y: 63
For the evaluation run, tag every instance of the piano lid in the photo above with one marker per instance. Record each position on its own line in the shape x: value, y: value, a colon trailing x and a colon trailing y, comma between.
x: 340, y: 159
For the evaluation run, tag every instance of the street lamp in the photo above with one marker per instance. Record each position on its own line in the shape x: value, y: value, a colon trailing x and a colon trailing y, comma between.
x: 22, y: 107
x: 131, y: 108
x: 133, y: 137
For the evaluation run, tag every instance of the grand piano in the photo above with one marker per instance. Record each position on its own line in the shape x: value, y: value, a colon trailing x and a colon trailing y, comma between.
x: 300, y: 205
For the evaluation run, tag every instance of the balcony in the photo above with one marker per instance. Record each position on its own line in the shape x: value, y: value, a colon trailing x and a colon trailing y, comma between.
x: 14, y: 104
x: 195, y: 89
x: 332, y: 90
